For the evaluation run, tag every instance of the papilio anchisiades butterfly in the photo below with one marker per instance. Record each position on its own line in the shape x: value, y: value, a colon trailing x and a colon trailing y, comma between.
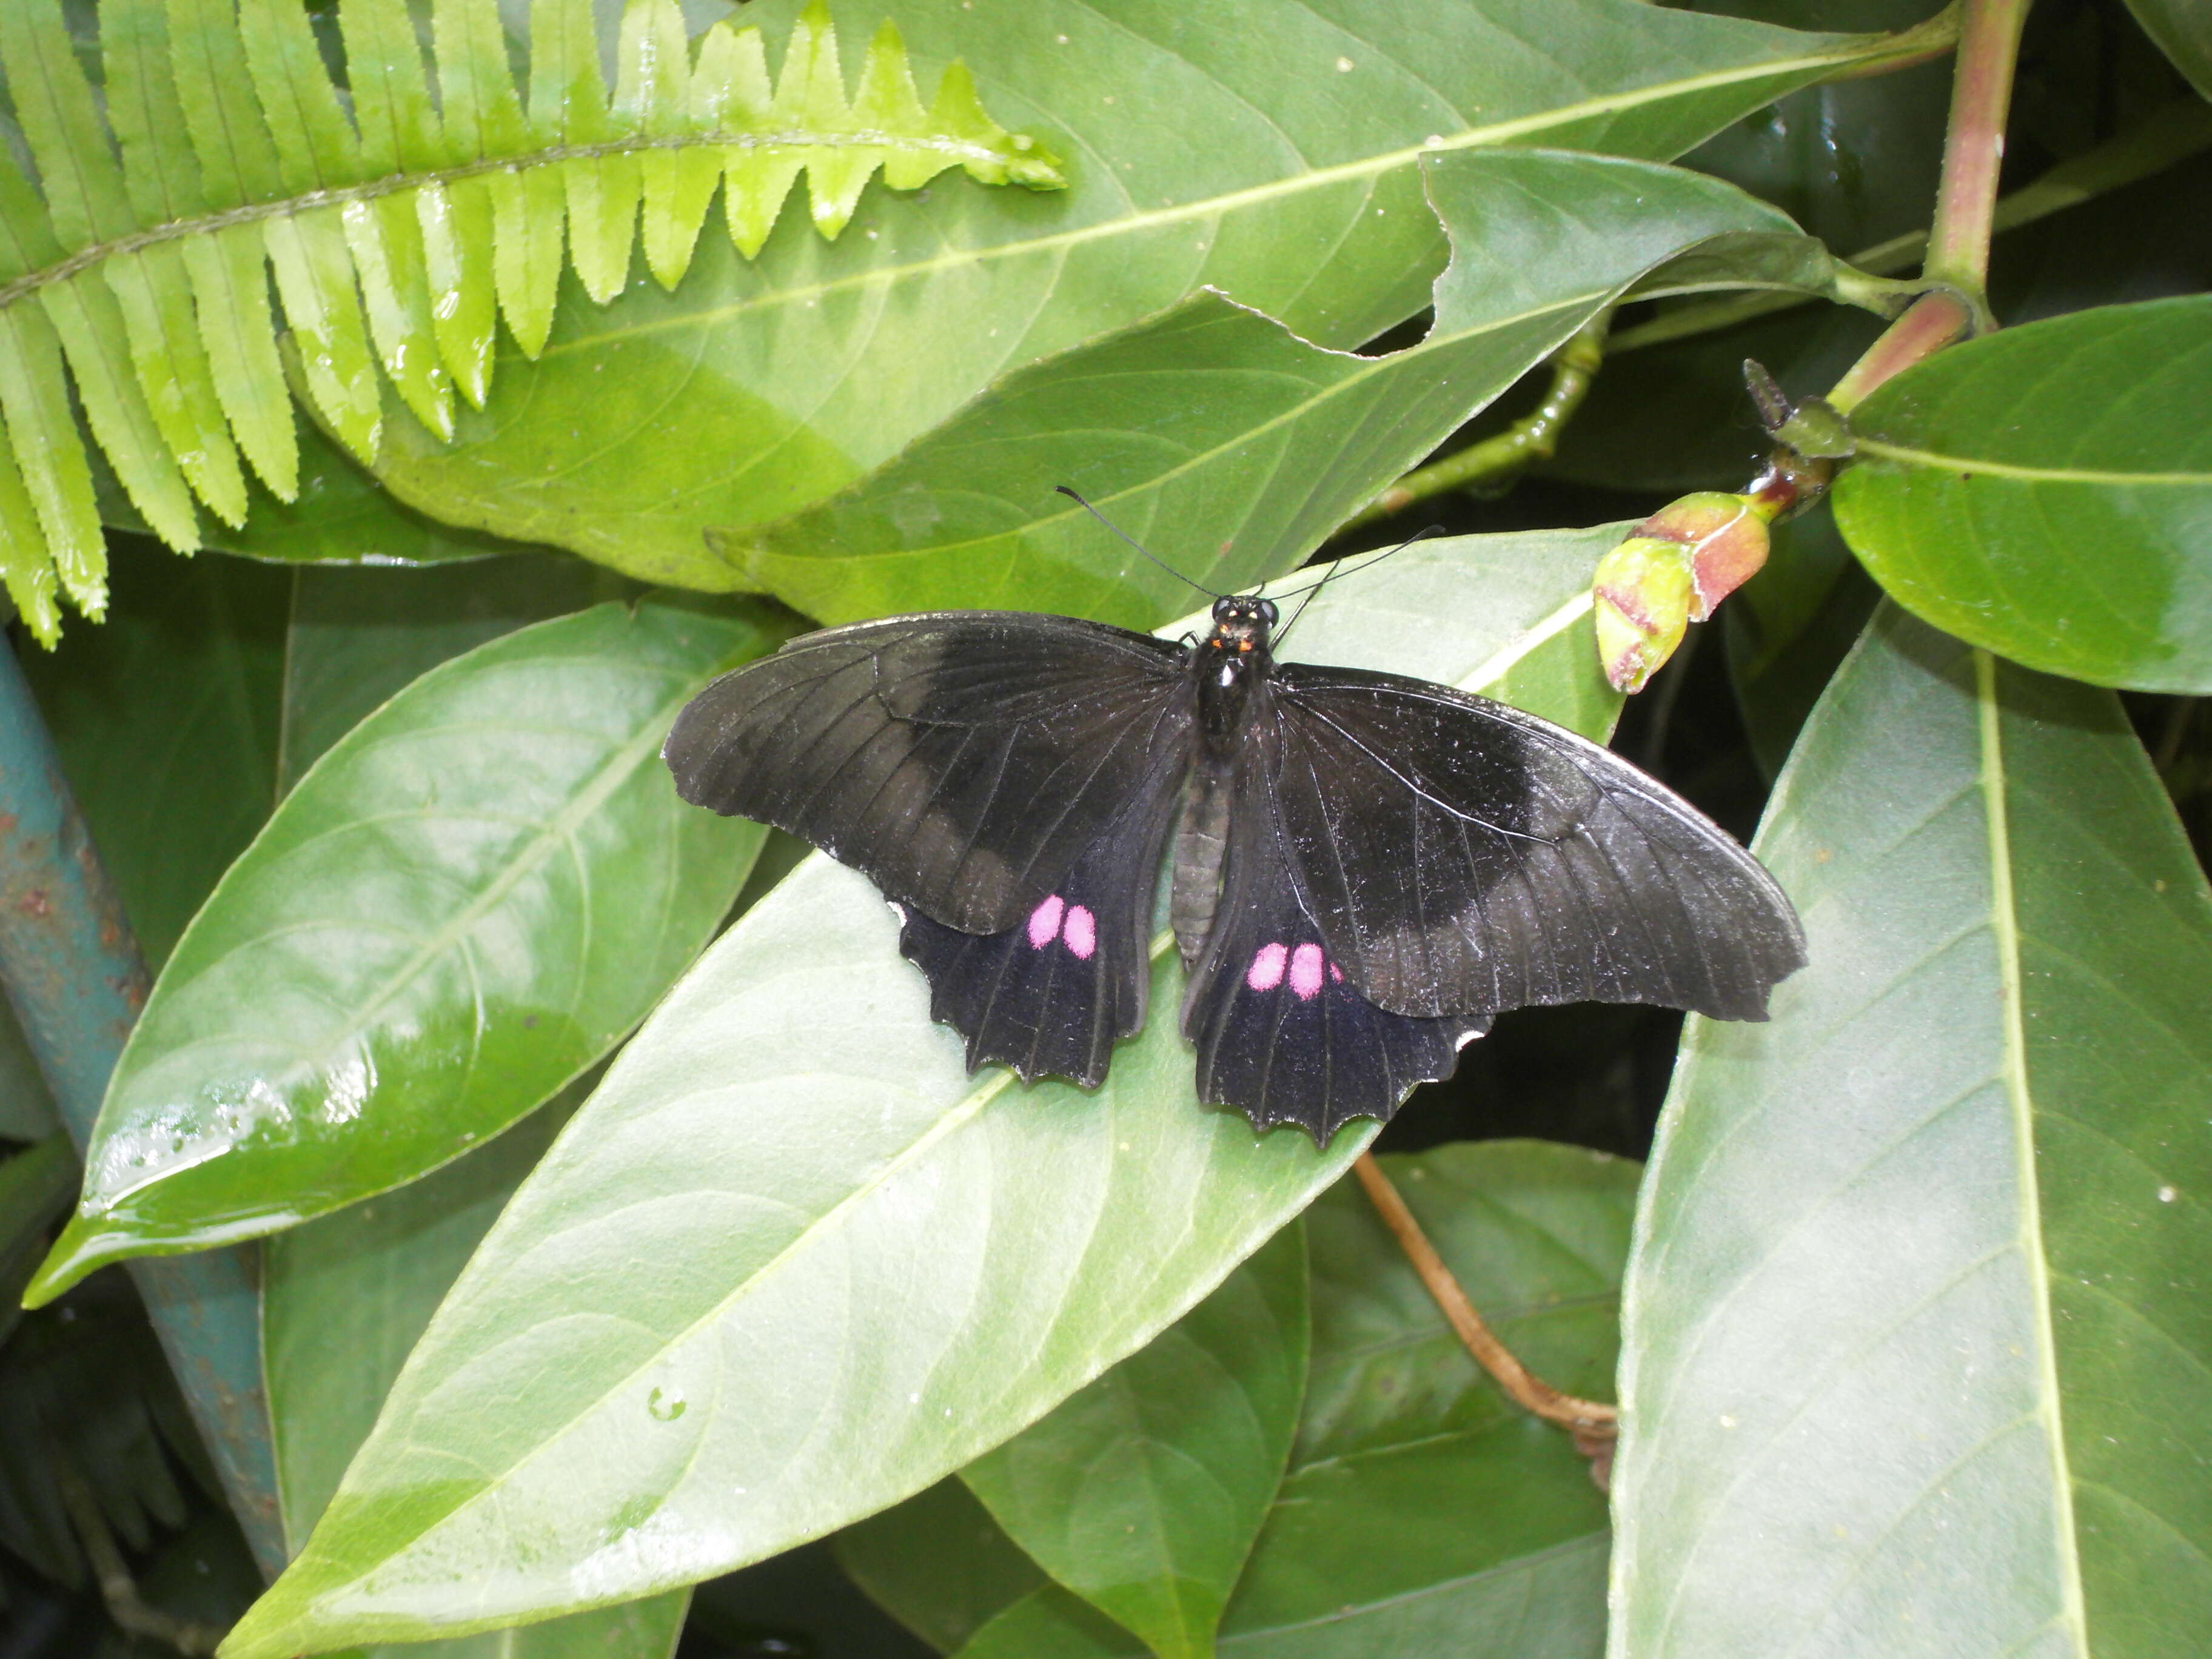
x: 1367, y: 869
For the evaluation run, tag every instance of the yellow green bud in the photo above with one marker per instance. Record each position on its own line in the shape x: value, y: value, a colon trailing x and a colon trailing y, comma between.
x: 1726, y: 538
x: 1642, y: 596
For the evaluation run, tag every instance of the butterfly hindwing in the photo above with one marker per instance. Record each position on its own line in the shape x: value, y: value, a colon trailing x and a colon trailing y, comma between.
x: 1282, y: 1032
x: 963, y: 760
x: 1462, y: 856
x: 1052, y: 994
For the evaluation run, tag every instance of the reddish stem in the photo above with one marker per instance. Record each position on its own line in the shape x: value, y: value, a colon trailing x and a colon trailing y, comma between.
x: 1973, y: 147
x: 1934, y: 321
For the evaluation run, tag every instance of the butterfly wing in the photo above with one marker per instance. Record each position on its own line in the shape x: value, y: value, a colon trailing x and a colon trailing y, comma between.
x: 963, y: 761
x: 1282, y: 1031
x: 1053, y: 992
x: 1462, y: 856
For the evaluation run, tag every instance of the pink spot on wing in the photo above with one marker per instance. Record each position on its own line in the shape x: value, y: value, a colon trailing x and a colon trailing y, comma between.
x: 1044, y: 922
x: 1081, y: 933
x: 1306, y: 972
x: 1336, y: 975
x: 1267, y: 970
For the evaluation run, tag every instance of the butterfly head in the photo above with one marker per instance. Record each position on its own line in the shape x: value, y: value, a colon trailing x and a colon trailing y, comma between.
x: 1242, y: 622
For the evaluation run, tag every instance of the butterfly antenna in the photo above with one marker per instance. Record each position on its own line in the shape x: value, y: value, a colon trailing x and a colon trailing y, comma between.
x: 1135, y: 543
x: 1338, y: 569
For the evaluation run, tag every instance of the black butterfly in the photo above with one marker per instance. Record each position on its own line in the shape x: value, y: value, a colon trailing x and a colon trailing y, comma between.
x: 1368, y: 867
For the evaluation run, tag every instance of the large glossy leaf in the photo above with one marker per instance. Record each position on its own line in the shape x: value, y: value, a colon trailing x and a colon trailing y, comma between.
x: 1263, y: 146
x: 793, y: 1262
x: 344, y: 1298
x: 1917, y: 1346
x: 1423, y: 1514
x: 1142, y: 1492
x: 459, y: 909
x: 359, y: 637
x: 167, y: 722
x: 2047, y: 492
x: 1229, y: 446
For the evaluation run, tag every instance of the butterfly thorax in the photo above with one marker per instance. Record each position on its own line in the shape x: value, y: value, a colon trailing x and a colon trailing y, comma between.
x: 1228, y: 669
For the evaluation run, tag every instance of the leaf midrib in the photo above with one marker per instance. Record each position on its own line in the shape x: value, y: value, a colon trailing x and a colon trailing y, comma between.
x: 1942, y: 461
x: 2004, y: 924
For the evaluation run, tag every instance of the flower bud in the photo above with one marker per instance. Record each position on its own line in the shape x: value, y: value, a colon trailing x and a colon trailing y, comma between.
x: 1725, y: 537
x: 1642, y: 596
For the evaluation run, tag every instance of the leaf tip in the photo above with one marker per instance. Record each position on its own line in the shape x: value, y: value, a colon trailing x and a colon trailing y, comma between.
x: 83, y: 1247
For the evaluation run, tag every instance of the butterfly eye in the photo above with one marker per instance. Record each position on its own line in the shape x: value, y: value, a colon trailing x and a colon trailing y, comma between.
x: 1223, y: 608
x: 1268, y: 614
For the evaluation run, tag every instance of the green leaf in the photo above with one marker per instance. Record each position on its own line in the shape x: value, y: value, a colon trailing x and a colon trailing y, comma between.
x: 343, y: 1299
x: 2046, y: 493
x: 1423, y: 1513
x: 938, y: 1562
x: 1917, y: 1347
x: 360, y: 636
x: 166, y: 721
x: 1142, y: 1492
x: 461, y: 906
x: 1283, y: 174
x: 755, y: 1337
x: 233, y: 156
x: 2184, y: 33
x: 1184, y: 430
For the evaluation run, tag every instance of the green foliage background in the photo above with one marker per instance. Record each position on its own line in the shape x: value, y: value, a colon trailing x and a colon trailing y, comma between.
x: 626, y: 1225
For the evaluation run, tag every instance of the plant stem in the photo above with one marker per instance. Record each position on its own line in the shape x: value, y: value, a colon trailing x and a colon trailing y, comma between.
x: 1936, y: 320
x: 1973, y: 147
x: 2173, y: 133
x: 1530, y: 439
x: 1965, y: 205
x: 118, y: 1589
x: 1589, y: 1419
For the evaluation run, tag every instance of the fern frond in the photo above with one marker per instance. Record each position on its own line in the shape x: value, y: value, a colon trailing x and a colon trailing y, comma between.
x: 398, y: 221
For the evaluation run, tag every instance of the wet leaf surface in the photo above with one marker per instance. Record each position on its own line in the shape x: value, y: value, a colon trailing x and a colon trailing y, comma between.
x: 461, y: 906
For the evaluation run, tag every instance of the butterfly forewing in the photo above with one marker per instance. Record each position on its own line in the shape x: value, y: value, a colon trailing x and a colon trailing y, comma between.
x: 964, y: 760
x: 1463, y: 857
x: 1282, y: 1032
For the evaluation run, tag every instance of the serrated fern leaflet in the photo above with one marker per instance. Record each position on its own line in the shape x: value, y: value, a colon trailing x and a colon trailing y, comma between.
x: 398, y: 227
